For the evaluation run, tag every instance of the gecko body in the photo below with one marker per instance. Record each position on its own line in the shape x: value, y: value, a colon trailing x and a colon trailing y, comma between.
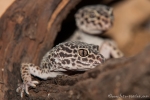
x: 74, y: 56
x: 86, y: 52
x: 93, y: 20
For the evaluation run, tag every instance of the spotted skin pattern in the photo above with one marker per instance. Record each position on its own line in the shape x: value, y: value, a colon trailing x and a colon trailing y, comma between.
x: 74, y: 56
x: 95, y: 19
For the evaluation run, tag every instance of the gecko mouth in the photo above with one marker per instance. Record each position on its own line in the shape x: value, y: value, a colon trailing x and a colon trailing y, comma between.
x: 83, y: 63
x: 95, y: 64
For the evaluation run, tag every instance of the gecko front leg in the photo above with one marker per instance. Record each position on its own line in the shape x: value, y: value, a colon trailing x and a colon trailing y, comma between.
x: 109, y: 49
x: 28, y: 69
x: 26, y: 77
x: 67, y: 56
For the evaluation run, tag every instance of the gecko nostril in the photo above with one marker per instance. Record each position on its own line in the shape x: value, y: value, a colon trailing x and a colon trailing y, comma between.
x: 101, y: 58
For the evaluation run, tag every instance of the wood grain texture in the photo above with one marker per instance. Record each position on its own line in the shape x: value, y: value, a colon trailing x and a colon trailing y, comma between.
x: 27, y: 31
x: 124, y: 76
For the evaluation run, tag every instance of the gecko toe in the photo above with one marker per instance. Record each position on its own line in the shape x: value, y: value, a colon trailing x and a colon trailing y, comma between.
x: 24, y: 87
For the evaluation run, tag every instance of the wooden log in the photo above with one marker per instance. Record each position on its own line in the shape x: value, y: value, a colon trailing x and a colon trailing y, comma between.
x: 124, y: 78
x: 27, y: 31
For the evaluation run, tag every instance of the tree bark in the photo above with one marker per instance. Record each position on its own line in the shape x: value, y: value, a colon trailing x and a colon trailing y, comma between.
x: 127, y: 78
x: 27, y: 31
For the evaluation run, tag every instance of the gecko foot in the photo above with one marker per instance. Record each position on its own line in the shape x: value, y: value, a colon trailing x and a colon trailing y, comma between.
x: 24, y: 87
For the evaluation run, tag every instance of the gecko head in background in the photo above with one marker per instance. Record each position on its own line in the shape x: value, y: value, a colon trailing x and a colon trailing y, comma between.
x: 94, y: 19
x: 79, y: 56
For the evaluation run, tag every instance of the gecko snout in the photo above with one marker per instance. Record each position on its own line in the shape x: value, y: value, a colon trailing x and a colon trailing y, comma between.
x: 101, y: 58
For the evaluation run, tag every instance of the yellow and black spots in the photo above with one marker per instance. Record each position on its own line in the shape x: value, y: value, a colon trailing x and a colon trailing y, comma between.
x: 94, y: 19
x: 72, y: 56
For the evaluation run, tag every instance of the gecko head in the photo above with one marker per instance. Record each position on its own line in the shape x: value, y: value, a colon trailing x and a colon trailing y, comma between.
x: 79, y: 55
x: 94, y: 19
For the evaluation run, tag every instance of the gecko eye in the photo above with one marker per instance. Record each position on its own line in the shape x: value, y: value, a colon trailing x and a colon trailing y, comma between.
x: 83, y: 52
